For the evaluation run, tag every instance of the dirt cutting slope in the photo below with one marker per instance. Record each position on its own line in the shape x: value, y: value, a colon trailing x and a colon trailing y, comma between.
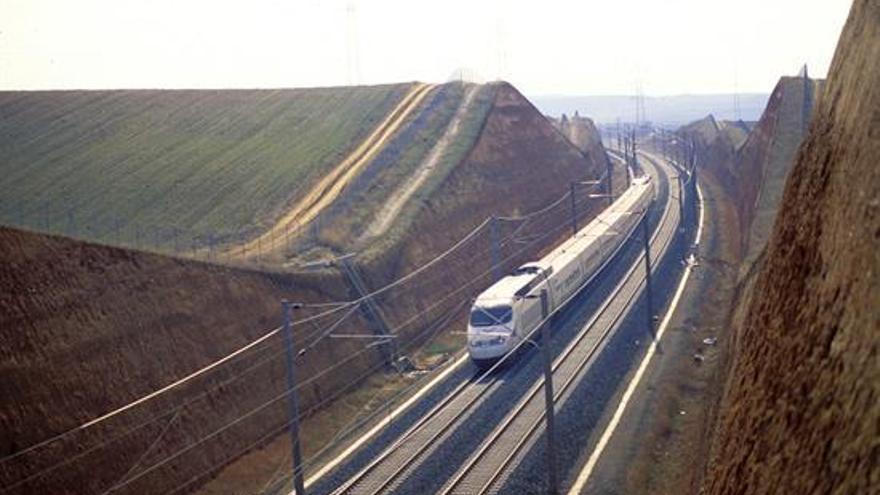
x: 517, y: 150
x: 764, y: 161
x: 86, y: 329
x: 752, y: 164
x: 801, y: 412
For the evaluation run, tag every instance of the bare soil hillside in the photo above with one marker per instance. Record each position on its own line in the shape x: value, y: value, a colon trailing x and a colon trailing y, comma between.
x: 581, y: 131
x: 801, y: 411
x: 87, y: 329
x: 752, y: 162
x: 584, y: 135
x: 763, y: 163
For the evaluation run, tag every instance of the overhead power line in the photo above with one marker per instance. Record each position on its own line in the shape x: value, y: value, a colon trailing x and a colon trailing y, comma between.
x: 336, y: 307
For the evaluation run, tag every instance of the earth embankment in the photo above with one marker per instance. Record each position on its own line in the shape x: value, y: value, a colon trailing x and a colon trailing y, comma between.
x: 88, y: 328
x: 800, y: 412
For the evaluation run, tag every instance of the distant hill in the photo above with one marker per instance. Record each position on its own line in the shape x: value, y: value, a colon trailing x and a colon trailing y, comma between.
x: 664, y: 110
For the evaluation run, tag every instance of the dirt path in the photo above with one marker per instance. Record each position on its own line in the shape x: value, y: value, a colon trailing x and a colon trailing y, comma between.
x: 329, y: 187
x: 403, y: 193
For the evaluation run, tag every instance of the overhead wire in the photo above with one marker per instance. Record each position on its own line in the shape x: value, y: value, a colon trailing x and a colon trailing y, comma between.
x: 336, y: 306
x: 191, y: 400
x: 155, y: 418
x: 280, y: 396
x: 528, y: 336
x: 241, y: 418
x: 505, y: 240
x: 138, y: 401
x: 149, y: 449
x: 221, y: 384
x: 348, y: 429
x: 546, y: 319
x: 311, y: 379
x: 359, y: 421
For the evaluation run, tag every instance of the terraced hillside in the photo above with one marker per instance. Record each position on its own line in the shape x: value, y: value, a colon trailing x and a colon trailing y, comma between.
x: 165, y: 169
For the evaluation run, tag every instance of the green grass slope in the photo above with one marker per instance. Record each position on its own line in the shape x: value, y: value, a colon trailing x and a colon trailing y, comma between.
x: 162, y: 169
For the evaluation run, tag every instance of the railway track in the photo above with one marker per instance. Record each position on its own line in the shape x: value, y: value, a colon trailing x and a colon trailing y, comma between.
x: 397, y: 462
x: 486, y: 470
x: 393, y: 464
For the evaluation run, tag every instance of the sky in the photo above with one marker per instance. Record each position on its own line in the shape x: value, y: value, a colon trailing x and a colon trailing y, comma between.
x: 543, y: 47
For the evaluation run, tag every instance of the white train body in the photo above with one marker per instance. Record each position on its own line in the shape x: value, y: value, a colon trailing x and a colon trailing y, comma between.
x: 502, y: 315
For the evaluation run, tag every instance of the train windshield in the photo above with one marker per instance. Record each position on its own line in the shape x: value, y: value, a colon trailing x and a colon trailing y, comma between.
x: 484, y: 316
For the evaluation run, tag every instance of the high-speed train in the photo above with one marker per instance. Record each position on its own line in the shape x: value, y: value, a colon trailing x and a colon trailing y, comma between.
x: 511, y: 308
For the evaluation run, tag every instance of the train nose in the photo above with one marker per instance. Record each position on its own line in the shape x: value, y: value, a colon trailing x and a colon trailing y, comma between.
x: 488, y: 342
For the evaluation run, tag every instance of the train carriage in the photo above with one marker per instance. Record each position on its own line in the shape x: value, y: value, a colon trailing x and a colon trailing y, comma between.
x: 508, y: 310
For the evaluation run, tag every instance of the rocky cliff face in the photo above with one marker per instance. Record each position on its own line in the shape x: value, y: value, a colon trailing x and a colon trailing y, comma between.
x: 801, y: 412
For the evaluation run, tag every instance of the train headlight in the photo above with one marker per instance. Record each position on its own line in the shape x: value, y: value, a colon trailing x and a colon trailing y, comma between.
x: 477, y: 341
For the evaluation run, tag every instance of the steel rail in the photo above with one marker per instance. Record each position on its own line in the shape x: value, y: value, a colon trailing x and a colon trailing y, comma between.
x: 381, y: 479
x: 532, y: 402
